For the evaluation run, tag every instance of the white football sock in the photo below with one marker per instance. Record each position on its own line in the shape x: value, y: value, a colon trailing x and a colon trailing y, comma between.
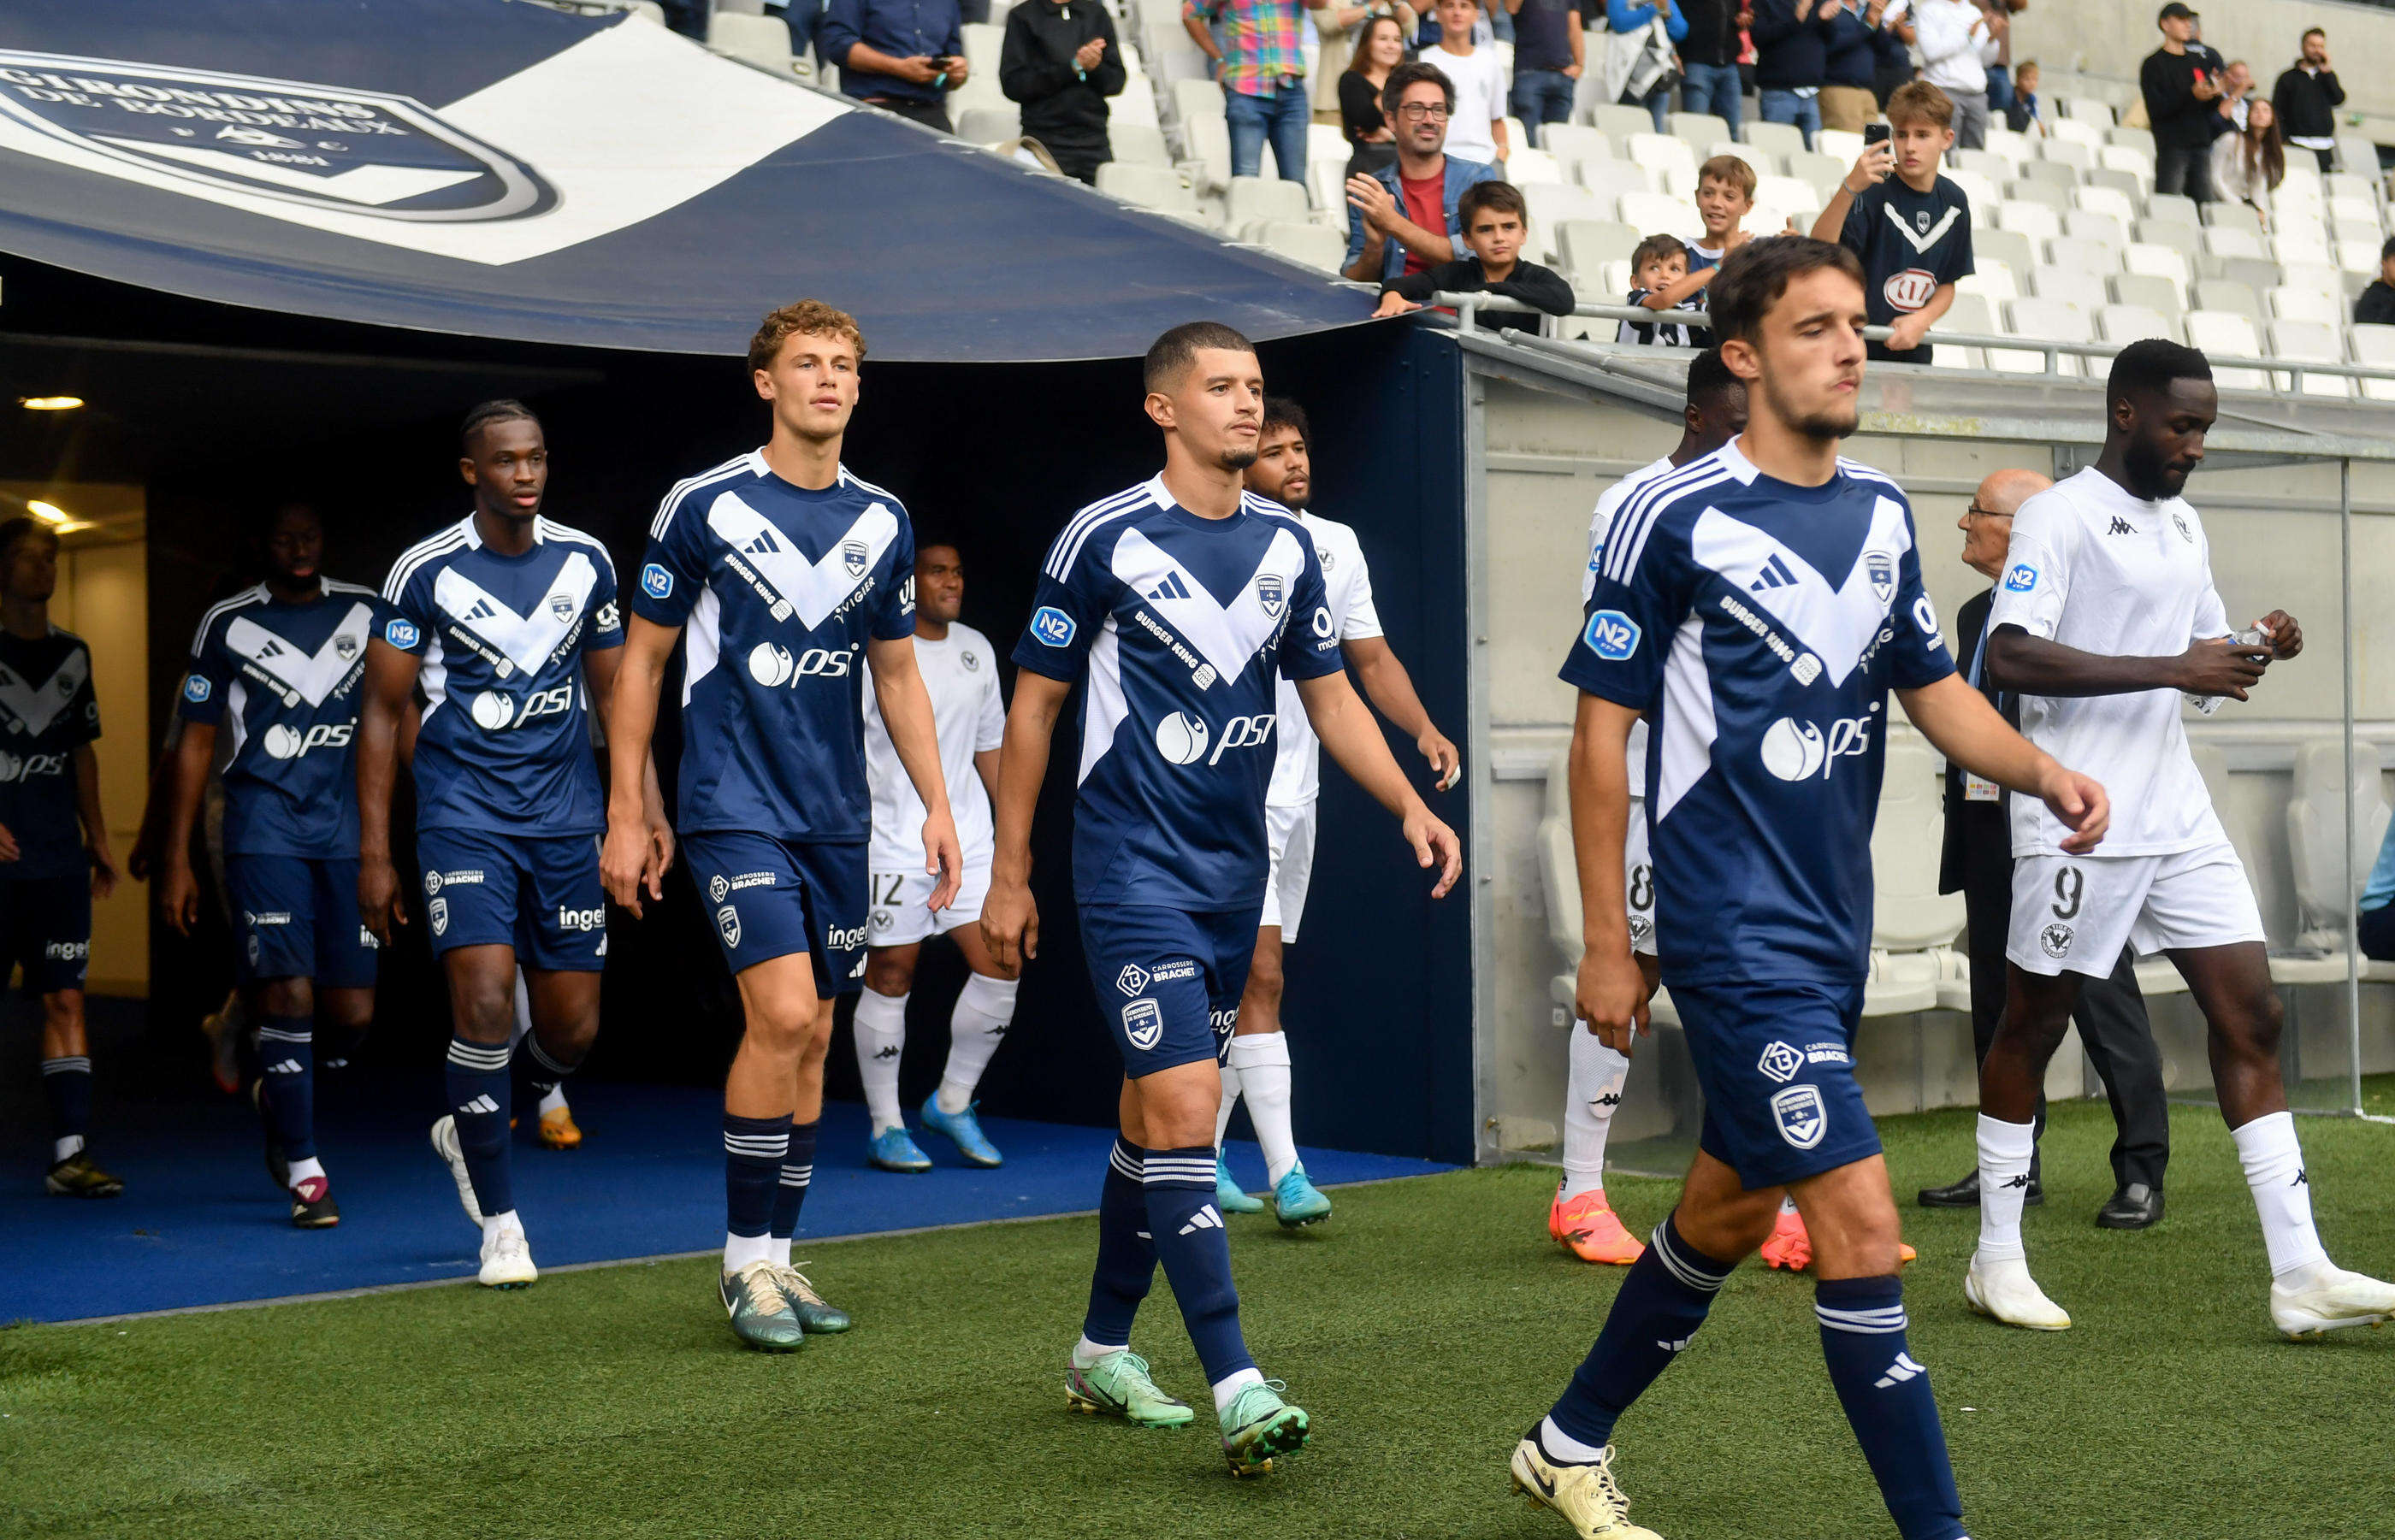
x: 303, y: 1169
x: 2005, y: 1149
x: 1593, y: 1092
x: 552, y: 1099
x: 1227, y: 1390
x: 741, y: 1250
x: 881, y: 1037
x: 1262, y: 1058
x: 1230, y: 1099
x: 66, y: 1149
x: 1087, y: 1353
x: 985, y: 1007
x: 1560, y: 1445
x: 524, y: 1011
x: 777, y: 1250
x: 492, y: 1224
x: 2283, y: 1194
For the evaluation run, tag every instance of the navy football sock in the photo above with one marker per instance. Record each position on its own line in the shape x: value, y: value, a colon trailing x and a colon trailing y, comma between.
x: 480, y: 1099
x: 753, y: 1151
x: 66, y: 1086
x: 543, y: 1070
x: 1887, y: 1397
x: 1126, y: 1255
x: 797, y: 1170
x: 287, y: 1052
x: 1659, y: 1308
x: 1195, y: 1251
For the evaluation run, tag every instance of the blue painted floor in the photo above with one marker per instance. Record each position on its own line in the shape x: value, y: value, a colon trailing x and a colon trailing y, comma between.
x: 200, y: 1224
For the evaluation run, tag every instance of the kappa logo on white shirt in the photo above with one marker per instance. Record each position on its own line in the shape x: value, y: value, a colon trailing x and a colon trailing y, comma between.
x: 303, y: 676
x: 1226, y: 635
x: 813, y: 589
x: 32, y: 708
x: 1834, y: 622
x: 522, y: 642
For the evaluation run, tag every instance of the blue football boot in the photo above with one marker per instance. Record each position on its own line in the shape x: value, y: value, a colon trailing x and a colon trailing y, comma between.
x: 1297, y: 1202
x: 892, y: 1149
x: 964, y: 1127
x: 1227, y: 1196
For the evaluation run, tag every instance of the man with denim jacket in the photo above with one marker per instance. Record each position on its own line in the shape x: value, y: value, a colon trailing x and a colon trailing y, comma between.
x: 1403, y: 217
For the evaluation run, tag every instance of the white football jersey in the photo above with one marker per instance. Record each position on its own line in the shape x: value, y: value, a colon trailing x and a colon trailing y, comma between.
x: 1347, y: 583
x: 1609, y: 502
x: 960, y: 673
x: 2093, y: 567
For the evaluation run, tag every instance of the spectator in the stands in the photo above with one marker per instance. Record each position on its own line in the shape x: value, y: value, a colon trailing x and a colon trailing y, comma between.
x: 2308, y: 97
x: 2375, y: 924
x: 1791, y: 60
x: 2180, y: 90
x: 1404, y: 216
x: 1891, y: 58
x: 2377, y: 306
x: 1957, y: 40
x: 1475, y: 122
x: 1709, y: 80
x: 2247, y: 167
x: 1846, y: 100
x: 1262, y: 71
x: 1910, y: 226
x: 1061, y: 62
x: 1639, y: 53
x: 1549, y: 53
x: 2000, y: 15
x: 1496, y: 223
x: 903, y: 56
x: 2236, y: 98
x: 1381, y: 49
x: 1660, y: 266
x: 2026, y: 114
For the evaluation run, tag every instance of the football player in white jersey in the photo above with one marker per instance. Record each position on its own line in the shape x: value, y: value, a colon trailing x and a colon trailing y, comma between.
x: 2105, y: 617
x: 1256, y: 1061
x: 1579, y: 1219
x: 959, y: 669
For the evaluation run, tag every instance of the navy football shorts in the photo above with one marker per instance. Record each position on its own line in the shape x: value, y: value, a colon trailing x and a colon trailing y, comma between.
x: 770, y: 898
x: 45, y: 926
x: 296, y: 918
x: 1776, y: 1062
x: 539, y: 895
x: 1168, y: 983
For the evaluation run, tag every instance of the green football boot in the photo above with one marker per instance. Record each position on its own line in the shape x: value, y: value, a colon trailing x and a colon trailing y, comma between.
x: 1118, y: 1386
x: 818, y: 1318
x: 1227, y: 1195
x: 759, y: 1310
x: 1258, y: 1426
x: 1296, y: 1201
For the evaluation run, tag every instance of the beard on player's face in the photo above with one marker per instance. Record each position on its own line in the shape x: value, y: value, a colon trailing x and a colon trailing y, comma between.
x: 1822, y: 422
x: 2153, y: 473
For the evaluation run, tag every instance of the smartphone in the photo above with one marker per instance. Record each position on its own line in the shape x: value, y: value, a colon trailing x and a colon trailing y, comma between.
x: 1875, y: 133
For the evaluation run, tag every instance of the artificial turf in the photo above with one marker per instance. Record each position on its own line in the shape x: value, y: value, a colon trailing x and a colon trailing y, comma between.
x: 1424, y: 1328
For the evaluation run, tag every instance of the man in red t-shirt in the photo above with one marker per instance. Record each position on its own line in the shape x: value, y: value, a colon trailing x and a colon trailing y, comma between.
x: 1402, y: 219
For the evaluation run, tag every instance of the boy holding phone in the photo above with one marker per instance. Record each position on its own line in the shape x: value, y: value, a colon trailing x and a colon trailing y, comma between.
x: 1912, y: 230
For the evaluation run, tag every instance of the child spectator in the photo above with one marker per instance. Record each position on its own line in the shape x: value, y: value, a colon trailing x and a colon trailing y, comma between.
x: 1475, y: 129
x: 2024, y: 114
x: 1724, y: 196
x: 1912, y: 230
x: 1495, y: 225
x: 1660, y: 263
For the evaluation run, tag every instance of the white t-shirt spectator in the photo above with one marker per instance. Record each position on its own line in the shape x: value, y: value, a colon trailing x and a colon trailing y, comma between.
x: 1954, y: 43
x: 1479, y: 81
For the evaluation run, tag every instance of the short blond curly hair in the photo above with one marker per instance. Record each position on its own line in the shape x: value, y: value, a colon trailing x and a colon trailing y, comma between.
x: 801, y: 317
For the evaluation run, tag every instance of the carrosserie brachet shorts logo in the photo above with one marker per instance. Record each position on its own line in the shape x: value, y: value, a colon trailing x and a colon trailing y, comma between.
x: 329, y: 147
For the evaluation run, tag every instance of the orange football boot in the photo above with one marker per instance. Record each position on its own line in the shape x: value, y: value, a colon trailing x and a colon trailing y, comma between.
x: 1591, y: 1230
x: 1791, y: 1248
x: 558, y: 1130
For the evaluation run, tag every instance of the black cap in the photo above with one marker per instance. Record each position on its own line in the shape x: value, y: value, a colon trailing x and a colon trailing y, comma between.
x: 2174, y: 12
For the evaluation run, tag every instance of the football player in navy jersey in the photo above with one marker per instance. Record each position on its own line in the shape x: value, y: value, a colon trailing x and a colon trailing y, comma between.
x: 498, y: 619
x: 788, y: 575
x: 1181, y: 601
x: 1758, y: 604
x: 280, y: 663
x: 54, y: 855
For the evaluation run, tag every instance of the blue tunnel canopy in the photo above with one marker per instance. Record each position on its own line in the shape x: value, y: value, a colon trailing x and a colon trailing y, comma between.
x: 494, y: 168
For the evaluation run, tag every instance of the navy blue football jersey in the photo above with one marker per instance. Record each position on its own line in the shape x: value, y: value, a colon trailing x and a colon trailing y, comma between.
x: 1762, y: 625
x: 1183, y: 627
x: 283, y: 679
x: 506, y: 743
x: 779, y: 589
x: 47, y: 711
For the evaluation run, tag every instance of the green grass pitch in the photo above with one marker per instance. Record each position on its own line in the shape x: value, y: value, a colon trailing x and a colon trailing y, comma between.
x: 1424, y: 1328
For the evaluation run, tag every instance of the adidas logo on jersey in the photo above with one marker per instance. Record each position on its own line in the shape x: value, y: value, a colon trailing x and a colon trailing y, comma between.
x: 1171, y: 587
x: 1899, y: 1372
x: 482, y: 1104
x: 1205, y: 1218
x: 2121, y: 526
x: 1775, y: 575
x: 482, y: 610
x: 286, y: 1066
x: 764, y: 545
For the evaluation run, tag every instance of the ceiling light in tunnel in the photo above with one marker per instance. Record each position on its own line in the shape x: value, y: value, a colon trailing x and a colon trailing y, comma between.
x: 48, y: 512
x: 49, y: 403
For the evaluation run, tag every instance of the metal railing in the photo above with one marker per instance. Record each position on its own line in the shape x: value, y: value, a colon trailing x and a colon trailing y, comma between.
x: 1467, y: 308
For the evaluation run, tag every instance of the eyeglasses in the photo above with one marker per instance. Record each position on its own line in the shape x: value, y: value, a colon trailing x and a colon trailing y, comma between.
x: 1416, y: 112
x: 1975, y: 511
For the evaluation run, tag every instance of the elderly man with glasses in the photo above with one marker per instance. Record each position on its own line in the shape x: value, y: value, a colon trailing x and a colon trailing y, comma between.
x: 1979, y: 862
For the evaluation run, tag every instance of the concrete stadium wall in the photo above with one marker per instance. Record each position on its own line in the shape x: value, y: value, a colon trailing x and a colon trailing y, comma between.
x: 1547, y: 456
x: 2112, y: 40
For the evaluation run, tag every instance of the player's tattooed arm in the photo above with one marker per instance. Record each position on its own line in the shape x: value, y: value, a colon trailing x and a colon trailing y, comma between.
x: 1610, y: 994
x: 627, y: 680
x: 1346, y: 729
x: 1009, y: 921
x: 905, y: 706
x: 184, y: 777
x: 95, y: 826
x: 1964, y: 727
x: 2215, y: 665
x: 391, y: 676
x: 1389, y: 687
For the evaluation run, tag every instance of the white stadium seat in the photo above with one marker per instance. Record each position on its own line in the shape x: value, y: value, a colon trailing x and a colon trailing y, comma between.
x: 1612, y: 179
x: 2052, y: 320
x: 1990, y: 278
x: 1670, y: 161
x: 2232, y: 336
x: 1254, y: 199
x: 1159, y: 188
x: 2161, y: 296
x: 1912, y: 922
x: 2288, y: 303
x: 1658, y: 213
x: 2373, y: 345
x: 2034, y: 220
x: 2307, y: 342
x: 1311, y: 245
x: 1973, y: 316
x: 2128, y: 324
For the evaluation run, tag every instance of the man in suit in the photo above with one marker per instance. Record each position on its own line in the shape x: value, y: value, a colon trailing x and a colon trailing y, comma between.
x: 1979, y: 862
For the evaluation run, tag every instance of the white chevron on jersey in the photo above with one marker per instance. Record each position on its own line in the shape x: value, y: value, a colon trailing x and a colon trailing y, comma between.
x: 1226, y: 634
x: 302, y: 676
x: 812, y: 589
x: 31, y: 708
x: 1927, y: 237
x: 1835, y: 622
x: 525, y: 640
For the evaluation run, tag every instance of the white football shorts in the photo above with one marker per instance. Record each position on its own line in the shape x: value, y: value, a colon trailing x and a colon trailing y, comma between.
x: 899, y: 914
x: 2073, y: 914
x: 1289, y: 834
x: 1638, y: 881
